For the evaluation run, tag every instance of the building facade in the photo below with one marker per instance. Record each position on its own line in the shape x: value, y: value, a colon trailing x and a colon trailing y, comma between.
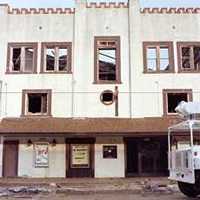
x: 90, y: 91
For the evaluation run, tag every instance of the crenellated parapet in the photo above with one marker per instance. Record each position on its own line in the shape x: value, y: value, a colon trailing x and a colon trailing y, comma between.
x: 107, y: 5
x: 170, y: 10
x: 26, y: 11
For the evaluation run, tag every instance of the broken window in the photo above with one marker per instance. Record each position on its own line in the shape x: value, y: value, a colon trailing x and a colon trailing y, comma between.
x: 107, y: 97
x: 107, y: 59
x: 158, y: 57
x: 189, y: 56
x: 36, y: 102
x: 57, y: 57
x: 22, y: 57
x: 173, y: 97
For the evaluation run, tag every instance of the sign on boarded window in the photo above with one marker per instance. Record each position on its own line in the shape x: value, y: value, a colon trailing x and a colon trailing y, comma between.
x: 80, y: 156
x: 41, y: 154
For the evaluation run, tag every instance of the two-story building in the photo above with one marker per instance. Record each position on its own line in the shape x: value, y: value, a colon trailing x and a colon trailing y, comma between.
x: 90, y: 91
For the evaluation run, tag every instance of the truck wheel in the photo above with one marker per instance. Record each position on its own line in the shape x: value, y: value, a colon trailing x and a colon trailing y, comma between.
x: 188, y: 189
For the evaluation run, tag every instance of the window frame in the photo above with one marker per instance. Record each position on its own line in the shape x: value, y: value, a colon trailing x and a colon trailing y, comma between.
x: 21, y: 45
x: 118, y: 59
x: 175, y: 91
x: 191, y: 58
x: 158, y: 45
x: 56, y: 45
x: 25, y: 102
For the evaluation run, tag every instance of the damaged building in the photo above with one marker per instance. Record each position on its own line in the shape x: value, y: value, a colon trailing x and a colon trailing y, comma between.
x: 90, y: 91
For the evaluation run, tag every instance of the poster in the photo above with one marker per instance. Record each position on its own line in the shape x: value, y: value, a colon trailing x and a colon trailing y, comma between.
x: 41, y: 154
x: 80, y: 155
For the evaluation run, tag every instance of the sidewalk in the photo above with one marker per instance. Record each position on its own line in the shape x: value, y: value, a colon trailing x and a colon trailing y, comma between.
x: 87, y: 185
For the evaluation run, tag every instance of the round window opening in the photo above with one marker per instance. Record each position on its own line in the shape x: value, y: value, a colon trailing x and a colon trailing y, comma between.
x: 107, y: 97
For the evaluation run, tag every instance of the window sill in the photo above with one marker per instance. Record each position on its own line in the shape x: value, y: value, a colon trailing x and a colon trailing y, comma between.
x: 106, y: 82
x: 159, y: 72
x: 21, y: 73
x: 38, y: 115
x: 189, y: 71
x: 54, y: 72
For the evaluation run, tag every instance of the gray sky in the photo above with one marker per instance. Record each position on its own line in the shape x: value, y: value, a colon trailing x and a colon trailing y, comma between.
x: 70, y: 3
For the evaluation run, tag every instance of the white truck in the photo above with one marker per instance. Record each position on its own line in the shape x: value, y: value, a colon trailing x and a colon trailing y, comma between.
x: 184, y: 155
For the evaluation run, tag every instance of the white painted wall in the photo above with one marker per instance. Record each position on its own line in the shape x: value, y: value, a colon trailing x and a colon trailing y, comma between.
x: 109, y: 167
x: 147, y: 89
x: 57, y: 159
x: 147, y: 98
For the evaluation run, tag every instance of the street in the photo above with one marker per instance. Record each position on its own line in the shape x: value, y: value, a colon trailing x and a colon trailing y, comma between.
x: 111, y: 196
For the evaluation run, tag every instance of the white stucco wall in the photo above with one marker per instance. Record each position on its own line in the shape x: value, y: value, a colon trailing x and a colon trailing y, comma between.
x: 147, y: 97
x: 57, y: 166
x: 109, y: 167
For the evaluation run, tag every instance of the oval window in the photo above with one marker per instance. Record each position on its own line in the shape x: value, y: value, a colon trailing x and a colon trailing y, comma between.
x: 107, y: 97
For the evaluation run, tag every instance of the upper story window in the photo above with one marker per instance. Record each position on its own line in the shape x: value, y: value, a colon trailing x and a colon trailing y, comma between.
x: 56, y: 57
x: 188, y: 56
x: 171, y: 99
x: 22, y: 58
x: 158, y: 57
x: 107, y: 60
x: 36, y: 102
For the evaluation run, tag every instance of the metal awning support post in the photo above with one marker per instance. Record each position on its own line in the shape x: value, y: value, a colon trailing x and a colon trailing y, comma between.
x: 192, y: 145
x: 169, y: 149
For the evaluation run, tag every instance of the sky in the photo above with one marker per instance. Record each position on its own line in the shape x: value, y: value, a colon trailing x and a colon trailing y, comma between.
x: 70, y: 3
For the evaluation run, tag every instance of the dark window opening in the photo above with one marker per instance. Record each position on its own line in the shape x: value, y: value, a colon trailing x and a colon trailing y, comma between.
x: 174, y: 99
x: 107, y: 97
x: 16, y: 59
x: 37, y: 103
x: 110, y: 151
x: 197, y: 58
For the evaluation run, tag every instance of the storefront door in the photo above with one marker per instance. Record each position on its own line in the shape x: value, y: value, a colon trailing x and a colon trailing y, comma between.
x: 80, y: 157
x: 10, y: 158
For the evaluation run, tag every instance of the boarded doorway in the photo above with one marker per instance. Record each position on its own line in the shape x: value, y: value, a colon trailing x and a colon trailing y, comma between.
x: 10, y: 158
x: 80, y: 158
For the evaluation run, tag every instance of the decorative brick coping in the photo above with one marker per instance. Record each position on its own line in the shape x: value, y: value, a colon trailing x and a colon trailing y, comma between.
x: 41, y: 11
x: 26, y: 11
x: 107, y: 5
x: 170, y: 10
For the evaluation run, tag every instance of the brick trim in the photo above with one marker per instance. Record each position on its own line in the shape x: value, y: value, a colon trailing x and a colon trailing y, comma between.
x: 26, y: 11
x: 24, y: 104
x: 107, y: 5
x: 170, y: 10
x: 166, y: 91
